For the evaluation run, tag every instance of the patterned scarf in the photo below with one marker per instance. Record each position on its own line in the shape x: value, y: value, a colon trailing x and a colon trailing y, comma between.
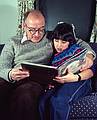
x: 65, y: 55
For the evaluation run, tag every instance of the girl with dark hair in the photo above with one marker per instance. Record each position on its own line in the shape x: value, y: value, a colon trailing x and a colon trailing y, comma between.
x: 71, y: 86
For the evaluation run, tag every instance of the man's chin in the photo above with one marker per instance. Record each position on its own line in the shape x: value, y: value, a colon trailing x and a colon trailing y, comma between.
x: 35, y: 40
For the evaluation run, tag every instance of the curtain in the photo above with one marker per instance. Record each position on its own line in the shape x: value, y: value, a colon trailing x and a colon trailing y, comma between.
x: 23, y: 6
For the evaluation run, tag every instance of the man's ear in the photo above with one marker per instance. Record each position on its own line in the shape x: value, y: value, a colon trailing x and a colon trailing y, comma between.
x: 23, y: 25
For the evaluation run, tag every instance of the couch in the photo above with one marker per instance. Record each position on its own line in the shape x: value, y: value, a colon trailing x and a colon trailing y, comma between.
x: 85, y: 108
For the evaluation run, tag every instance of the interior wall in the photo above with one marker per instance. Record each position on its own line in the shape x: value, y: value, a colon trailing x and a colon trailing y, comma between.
x: 8, y: 19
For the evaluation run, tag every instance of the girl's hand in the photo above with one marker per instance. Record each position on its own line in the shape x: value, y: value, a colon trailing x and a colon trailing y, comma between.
x: 69, y: 77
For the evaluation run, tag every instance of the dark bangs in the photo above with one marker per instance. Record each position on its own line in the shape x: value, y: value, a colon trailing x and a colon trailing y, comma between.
x: 65, y: 37
x: 63, y: 31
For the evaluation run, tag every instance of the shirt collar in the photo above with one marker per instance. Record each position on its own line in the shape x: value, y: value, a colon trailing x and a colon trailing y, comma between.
x: 24, y: 38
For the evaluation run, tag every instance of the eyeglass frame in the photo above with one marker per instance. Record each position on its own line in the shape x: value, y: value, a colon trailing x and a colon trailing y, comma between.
x: 34, y: 30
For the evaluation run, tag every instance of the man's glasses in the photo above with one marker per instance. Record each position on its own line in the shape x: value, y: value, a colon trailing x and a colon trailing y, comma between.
x: 41, y: 30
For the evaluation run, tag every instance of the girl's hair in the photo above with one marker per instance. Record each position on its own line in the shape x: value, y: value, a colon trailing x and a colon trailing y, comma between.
x: 63, y: 31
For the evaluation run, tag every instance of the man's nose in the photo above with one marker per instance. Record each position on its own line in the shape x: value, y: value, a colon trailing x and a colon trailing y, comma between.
x: 37, y: 33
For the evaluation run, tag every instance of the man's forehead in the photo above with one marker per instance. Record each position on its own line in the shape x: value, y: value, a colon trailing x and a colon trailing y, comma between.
x: 36, y: 23
x: 35, y: 17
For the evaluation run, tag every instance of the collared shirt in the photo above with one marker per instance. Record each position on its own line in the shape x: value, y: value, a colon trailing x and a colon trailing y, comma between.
x: 24, y: 38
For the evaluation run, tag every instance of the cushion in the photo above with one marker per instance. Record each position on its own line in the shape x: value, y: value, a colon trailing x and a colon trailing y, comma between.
x: 85, y: 107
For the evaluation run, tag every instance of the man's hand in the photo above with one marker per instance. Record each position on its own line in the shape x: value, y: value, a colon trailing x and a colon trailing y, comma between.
x: 18, y: 74
x: 88, y: 62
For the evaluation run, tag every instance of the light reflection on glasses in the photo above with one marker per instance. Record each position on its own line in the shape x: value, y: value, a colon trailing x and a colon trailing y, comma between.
x: 40, y: 30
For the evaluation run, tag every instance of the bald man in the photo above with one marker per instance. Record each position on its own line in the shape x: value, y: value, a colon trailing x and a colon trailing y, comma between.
x: 19, y: 93
x: 32, y: 47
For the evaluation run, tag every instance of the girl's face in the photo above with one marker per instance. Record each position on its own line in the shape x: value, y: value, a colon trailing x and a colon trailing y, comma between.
x: 60, y: 45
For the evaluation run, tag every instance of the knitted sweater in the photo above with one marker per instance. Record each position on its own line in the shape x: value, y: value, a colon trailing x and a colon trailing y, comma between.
x: 15, y: 52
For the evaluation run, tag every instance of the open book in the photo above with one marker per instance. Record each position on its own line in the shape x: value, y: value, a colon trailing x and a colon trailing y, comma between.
x: 42, y: 74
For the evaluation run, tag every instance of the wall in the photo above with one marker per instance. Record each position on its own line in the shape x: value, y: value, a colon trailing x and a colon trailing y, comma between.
x: 8, y: 19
